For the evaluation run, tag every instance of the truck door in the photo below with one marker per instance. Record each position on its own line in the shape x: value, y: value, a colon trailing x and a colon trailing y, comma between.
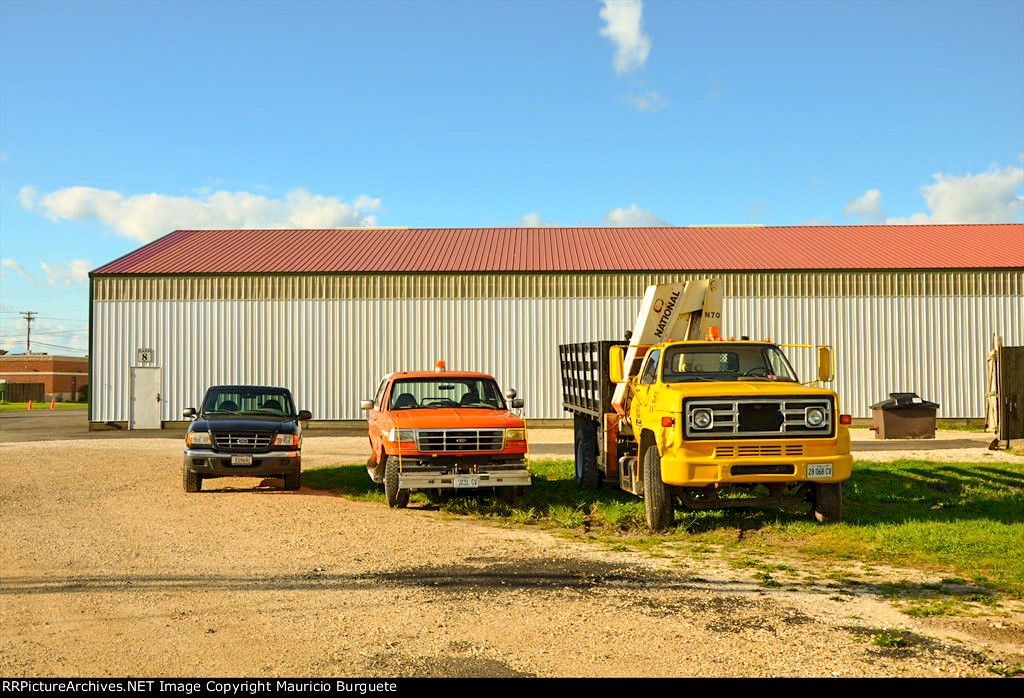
x: 643, y: 386
x: 373, y: 418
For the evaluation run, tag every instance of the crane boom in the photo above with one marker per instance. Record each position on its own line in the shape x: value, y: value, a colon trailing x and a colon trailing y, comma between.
x: 676, y: 311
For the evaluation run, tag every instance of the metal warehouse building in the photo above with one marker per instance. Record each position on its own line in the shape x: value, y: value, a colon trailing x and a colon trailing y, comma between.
x: 327, y: 313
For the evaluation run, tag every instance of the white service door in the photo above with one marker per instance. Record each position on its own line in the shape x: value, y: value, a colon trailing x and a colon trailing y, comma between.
x: 145, y: 412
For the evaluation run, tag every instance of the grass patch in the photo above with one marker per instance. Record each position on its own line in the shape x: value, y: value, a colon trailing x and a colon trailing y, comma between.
x: 890, y: 639
x: 964, y: 520
x: 1007, y: 671
x: 5, y: 406
x: 976, y: 425
x: 924, y: 600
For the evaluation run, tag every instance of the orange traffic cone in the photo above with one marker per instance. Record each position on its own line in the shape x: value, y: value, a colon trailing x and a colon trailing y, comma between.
x: 30, y: 404
x: 53, y: 403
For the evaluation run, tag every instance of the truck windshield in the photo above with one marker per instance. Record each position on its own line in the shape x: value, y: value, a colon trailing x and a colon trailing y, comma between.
x: 420, y: 393
x: 259, y: 401
x: 715, y: 362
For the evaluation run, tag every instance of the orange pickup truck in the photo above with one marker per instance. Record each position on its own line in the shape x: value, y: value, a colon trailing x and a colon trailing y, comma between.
x: 444, y: 429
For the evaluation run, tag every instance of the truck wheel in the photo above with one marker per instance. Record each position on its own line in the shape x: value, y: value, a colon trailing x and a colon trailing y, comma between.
x: 828, y: 502
x: 292, y: 481
x: 657, y: 495
x: 193, y: 481
x: 585, y: 442
x: 394, y: 496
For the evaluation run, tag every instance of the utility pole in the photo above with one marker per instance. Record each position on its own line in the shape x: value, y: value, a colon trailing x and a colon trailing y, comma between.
x: 29, y: 316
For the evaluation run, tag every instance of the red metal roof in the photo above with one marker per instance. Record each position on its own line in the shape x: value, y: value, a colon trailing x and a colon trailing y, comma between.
x: 577, y: 249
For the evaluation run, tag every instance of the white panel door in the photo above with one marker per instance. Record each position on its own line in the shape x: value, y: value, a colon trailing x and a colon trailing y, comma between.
x: 145, y: 408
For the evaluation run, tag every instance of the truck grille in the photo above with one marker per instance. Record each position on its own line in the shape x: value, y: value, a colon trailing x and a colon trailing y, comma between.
x: 242, y: 441
x: 459, y: 440
x: 750, y: 417
x: 761, y: 450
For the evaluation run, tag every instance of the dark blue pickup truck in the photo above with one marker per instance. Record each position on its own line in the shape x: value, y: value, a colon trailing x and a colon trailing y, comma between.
x: 244, y: 431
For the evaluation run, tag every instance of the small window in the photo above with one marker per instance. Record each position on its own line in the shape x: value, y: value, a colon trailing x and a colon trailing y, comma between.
x: 650, y: 376
x: 380, y: 393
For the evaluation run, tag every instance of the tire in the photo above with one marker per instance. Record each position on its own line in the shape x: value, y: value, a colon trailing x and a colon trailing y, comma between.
x: 828, y: 502
x: 193, y: 481
x: 292, y: 481
x: 585, y: 443
x: 395, y: 497
x: 657, y: 495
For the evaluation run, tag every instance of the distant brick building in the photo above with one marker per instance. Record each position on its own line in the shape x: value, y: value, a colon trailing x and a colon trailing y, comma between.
x: 64, y: 378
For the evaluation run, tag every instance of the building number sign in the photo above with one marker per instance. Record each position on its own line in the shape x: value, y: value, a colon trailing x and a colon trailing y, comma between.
x: 143, y: 356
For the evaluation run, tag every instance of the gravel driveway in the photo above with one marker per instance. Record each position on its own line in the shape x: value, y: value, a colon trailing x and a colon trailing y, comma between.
x: 108, y: 568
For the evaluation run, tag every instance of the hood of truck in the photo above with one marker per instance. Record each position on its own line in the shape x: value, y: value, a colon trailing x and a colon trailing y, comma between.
x: 745, y: 389
x: 454, y: 418
x: 242, y: 422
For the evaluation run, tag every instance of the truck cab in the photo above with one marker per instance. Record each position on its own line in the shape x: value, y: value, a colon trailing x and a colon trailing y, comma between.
x: 710, y: 414
x: 444, y: 430
x: 244, y: 431
x: 675, y: 413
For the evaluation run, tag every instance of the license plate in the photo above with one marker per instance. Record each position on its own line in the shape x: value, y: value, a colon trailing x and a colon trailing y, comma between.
x: 241, y: 460
x: 819, y: 470
x: 465, y: 481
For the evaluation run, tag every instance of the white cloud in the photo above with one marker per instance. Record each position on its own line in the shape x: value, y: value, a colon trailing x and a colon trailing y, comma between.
x: 74, y: 272
x: 27, y: 196
x: 147, y: 216
x: 624, y: 26
x: 988, y: 197
x: 632, y: 217
x: 867, y: 206
x: 533, y: 220
x: 17, y: 269
x: 648, y: 101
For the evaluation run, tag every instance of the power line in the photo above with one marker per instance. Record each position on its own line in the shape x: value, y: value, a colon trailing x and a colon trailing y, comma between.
x: 58, y: 346
x: 50, y: 332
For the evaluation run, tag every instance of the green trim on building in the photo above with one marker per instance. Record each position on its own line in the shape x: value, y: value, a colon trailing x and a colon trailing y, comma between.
x: 776, y: 284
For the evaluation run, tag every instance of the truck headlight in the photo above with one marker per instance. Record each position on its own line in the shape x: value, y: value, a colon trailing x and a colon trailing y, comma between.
x: 286, y: 440
x: 814, y: 417
x: 703, y: 419
x: 198, y: 438
x: 401, y: 435
x: 515, y: 435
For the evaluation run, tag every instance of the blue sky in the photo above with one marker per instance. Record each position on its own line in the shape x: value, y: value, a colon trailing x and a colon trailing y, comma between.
x: 121, y: 121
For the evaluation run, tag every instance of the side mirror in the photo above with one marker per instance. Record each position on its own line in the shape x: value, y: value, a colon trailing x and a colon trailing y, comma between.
x: 366, y: 404
x: 305, y: 415
x: 189, y: 413
x: 616, y: 362
x: 824, y: 364
x: 517, y: 403
x: 511, y: 393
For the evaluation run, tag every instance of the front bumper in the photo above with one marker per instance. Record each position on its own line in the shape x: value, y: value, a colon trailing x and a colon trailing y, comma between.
x: 697, y: 464
x: 411, y: 480
x: 213, y: 464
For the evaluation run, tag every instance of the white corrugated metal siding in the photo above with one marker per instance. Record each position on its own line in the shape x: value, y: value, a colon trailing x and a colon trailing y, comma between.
x: 332, y: 353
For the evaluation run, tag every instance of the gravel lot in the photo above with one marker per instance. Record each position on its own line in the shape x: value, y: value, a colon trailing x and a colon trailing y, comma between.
x: 107, y: 568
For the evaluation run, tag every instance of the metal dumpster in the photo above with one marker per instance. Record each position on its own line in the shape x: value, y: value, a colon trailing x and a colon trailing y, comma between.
x: 904, y: 416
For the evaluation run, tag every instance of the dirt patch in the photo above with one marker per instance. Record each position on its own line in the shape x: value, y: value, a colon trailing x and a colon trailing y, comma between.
x: 435, y: 667
x: 903, y: 644
x: 107, y: 568
x: 536, y: 574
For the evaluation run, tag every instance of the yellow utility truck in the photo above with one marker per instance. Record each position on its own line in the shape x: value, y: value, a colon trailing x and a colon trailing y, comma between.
x: 676, y: 413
